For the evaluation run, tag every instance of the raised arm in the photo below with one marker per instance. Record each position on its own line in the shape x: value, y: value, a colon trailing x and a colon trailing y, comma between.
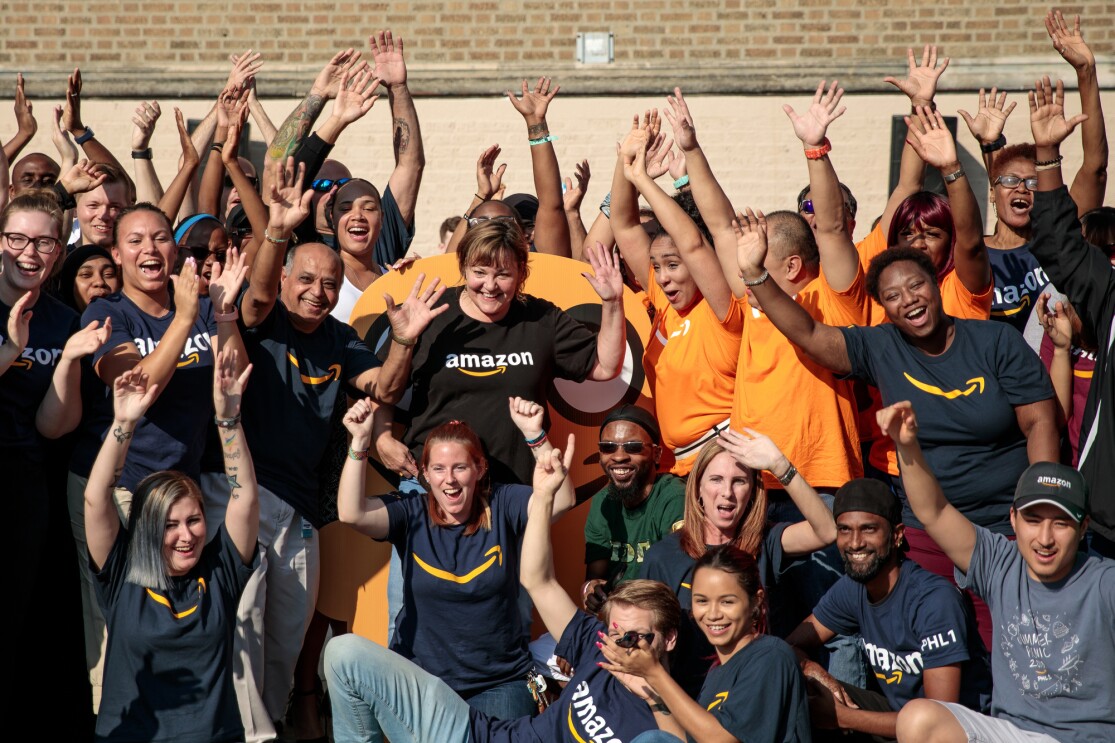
x: 245, y: 67
x: 176, y: 192
x: 242, y: 514
x: 250, y: 200
x: 571, y: 200
x: 148, y: 187
x: 1057, y: 322
x: 26, y: 126
x: 63, y: 142
x: 133, y: 394
x: 60, y: 411
x: 927, y: 134
x: 1091, y: 180
x: 406, y: 136
x: 212, y: 180
x: 611, y: 338
x: 822, y: 343
x: 839, y: 259
x: 756, y: 451
x: 631, y: 239
x: 987, y: 125
x: 536, y: 563
x: 366, y: 515
x: 71, y: 120
x: 489, y: 182
x: 527, y: 417
x: 551, y: 232
x: 949, y: 528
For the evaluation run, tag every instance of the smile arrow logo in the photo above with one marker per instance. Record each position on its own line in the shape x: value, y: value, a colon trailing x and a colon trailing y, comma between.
x: 467, y: 577
x: 973, y: 384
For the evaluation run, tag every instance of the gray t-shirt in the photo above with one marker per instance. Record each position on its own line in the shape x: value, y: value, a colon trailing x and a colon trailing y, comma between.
x: 1053, y: 644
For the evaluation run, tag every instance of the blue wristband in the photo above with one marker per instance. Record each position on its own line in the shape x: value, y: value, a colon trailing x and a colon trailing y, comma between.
x: 683, y: 181
x: 542, y: 140
x: 85, y: 137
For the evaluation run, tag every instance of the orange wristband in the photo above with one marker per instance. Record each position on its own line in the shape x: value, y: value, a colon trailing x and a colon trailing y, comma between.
x: 818, y: 152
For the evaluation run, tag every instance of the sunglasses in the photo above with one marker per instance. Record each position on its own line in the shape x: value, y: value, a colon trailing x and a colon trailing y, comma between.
x: 631, y: 639
x: 1012, y: 181
x: 611, y: 447
x: 254, y: 180
x: 473, y: 221
x: 321, y: 185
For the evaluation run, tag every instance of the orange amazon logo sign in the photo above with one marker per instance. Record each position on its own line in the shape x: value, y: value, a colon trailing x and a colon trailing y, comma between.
x: 467, y: 577
x: 334, y: 372
x: 973, y: 384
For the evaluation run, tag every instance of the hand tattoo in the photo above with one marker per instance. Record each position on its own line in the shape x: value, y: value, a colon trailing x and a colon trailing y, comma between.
x: 121, y: 435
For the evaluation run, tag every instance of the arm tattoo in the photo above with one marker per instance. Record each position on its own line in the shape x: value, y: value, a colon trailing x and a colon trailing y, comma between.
x: 230, y: 439
x: 115, y: 479
x: 295, y: 128
x: 537, y: 131
x: 402, y: 136
x: 234, y: 484
x: 121, y: 435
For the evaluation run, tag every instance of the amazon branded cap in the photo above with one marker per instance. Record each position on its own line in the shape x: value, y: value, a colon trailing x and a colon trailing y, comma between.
x: 1056, y: 484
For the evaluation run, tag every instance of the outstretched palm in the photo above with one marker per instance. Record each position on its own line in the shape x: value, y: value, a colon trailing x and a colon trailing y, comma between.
x: 387, y: 53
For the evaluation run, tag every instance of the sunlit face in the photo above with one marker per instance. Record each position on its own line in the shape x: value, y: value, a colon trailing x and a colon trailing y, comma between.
x: 145, y: 251
x: 629, y: 473
x: 453, y: 477
x: 490, y: 289
x: 911, y: 299
x: 933, y: 240
x: 359, y: 224
x: 724, y: 493
x: 33, y: 171
x: 723, y: 610
x: 96, y: 213
x: 95, y: 278
x: 309, y: 292
x: 1048, y: 540
x: 1013, y: 205
x: 183, y: 535
x: 672, y: 275
x: 27, y: 269
x: 866, y: 542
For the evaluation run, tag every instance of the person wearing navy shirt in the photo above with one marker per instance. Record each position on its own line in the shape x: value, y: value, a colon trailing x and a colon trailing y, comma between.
x: 377, y: 692
x: 918, y: 635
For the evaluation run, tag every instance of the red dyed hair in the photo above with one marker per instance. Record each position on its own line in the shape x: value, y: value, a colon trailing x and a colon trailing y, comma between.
x: 930, y: 209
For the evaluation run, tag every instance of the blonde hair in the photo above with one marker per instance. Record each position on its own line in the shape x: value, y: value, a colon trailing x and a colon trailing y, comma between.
x: 749, y: 532
x: 44, y: 201
x: 153, y: 499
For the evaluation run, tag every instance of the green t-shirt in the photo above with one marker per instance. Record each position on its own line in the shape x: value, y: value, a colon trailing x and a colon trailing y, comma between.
x: 622, y: 536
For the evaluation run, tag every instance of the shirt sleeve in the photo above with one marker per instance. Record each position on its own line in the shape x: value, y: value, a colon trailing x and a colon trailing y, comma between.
x: 849, y: 307
x: 597, y: 544
x: 1021, y: 374
x: 358, y: 357
x: 121, y: 329
x: 673, y: 507
x: 579, y: 636
x: 395, y: 235
x: 839, y: 608
x: 108, y: 580
x: 856, y: 340
x: 990, y: 561
x: 514, y: 504
x: 574, y: 346
x: 398, y: 515
x: 230, y: 570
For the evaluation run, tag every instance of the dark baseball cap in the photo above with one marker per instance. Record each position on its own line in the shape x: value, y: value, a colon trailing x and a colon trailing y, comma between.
x: 641, y: 417
x: 869, y: 496
x: 1056, y: 484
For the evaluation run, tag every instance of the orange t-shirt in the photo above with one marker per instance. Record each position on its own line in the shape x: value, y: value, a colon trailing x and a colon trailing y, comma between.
x: 804, y: 408
x: 690, y: 362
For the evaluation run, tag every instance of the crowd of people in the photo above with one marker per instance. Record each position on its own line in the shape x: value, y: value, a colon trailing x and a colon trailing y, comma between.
x: 869, y: 500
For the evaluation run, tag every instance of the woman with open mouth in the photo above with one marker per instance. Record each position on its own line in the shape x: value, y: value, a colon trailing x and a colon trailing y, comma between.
x: 726, y: 504
x: 459, y: 547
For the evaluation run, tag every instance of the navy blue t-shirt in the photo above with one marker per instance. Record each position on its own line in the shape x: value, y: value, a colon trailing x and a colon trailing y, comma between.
x: 594, y: 706
x: 455, y: 584
x: 172, y: 434
x: 297, y: 380
x: 1019, y: 282
x: 923, y: 623
x: 24, y: 385
x: 964, y: 400
x: 759, y: 694
x: 168, y: 663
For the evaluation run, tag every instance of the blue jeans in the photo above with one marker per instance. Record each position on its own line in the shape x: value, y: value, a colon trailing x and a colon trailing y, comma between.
x: 376, y: 693
x: 508, y: 701
x: 656, y: 736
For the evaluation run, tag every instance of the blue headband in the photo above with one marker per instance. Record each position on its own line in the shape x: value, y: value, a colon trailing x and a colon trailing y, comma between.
x: 186, y: 224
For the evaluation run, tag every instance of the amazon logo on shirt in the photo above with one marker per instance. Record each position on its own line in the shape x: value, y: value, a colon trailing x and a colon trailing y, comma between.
x: 40, y: 356
x: 1013, y: 298
x: 487, y: 364
x: 191, y: 354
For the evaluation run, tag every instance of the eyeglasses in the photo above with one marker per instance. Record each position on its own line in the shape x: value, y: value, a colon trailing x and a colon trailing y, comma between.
x: 19, y: 241
x: 611, y: 447
x: 806, y: 206
x: 473, y: 221
x: 1012, y: 181
x: 631, y: 639
x: 321, y: 185
x: 253, y: 179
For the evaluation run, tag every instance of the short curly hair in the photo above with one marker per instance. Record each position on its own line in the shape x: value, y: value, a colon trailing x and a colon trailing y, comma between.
x: 888, y: 258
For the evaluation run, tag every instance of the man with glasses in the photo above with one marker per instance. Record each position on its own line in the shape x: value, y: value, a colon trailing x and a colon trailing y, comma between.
x: 635, y: 509
x: 805, y: 208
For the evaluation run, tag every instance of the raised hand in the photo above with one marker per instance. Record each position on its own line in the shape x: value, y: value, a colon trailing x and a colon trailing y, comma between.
x: 83, y: 176
x: 387, y: 53
x: 678, y: 167
x: 358, y: 421
x: 1056, y: 319
x: 527, y: 416
x: 681, y: 121
x: 289, y: 203
x: 824, y: 110
x: 244, y: 69
x: 899, y: 422
x: 71, y: 112
x: 488, y: 181
x: 226, y: 102
x: 144, y: 118
x: 328, y: 81
x: 927, y: 134
x: 189, y: 152
x: 660, y: 156
x: 635, y: 170
x: 574, y: 195
x: 641, y: 137
x: 753, y: 449
x: 25, y: 119
x: 1069, y: 42
x: 227, y: 280
x: 751, y: 243
x: 638, y: 661
x: 991, y: 116
x: 87, y: 340
x: 132, y: 395
x: 228, y: 386
x: 67, y: 150
x: 920, y: 83
x: 410, y: 318
x: 532, y: 104
x: 606, y: 279
x: 1047, y: 114
x: 551, y: 468
x: 186, y: 290
x: 19, y: 322
x: 238, y: 115
x: 356, y: 96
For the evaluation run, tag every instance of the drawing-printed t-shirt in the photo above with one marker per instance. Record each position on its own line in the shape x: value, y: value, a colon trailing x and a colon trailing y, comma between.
x: 455, y: 584
x: 965, y: 400
x: 1053, y: 645
x: 622, y: 535
x: 171, y: 436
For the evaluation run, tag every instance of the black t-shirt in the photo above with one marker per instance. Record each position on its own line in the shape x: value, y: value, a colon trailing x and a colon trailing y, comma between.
x: 24, y: 385
x: 168, y: 663
x: 964, y: 399
x: 297, y: 380
x: 594, y: 706
x: 455, y: 584
x: 171, y: 435
x: 465, y: 370
x: 759, y: 694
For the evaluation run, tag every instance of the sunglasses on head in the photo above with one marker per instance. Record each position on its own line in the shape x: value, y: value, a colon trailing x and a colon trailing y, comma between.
x: 321, y: 185
x: 611, y: 447
x: 631, y: 639
x: 1012, y: 181
x: 473, y: 221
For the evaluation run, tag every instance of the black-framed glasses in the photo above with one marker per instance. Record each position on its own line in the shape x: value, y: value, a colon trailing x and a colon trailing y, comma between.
x: 1012, y: 181
x: 473, y: 221
x: 631, y: 447
x: 321, y: 185
x: 43, y: 244
x: 253, y: 179
x: 630, y: 638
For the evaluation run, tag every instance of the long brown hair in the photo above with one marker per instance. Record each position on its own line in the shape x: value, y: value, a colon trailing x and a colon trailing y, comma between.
x: 749, y: 533
x: 457, y: 432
